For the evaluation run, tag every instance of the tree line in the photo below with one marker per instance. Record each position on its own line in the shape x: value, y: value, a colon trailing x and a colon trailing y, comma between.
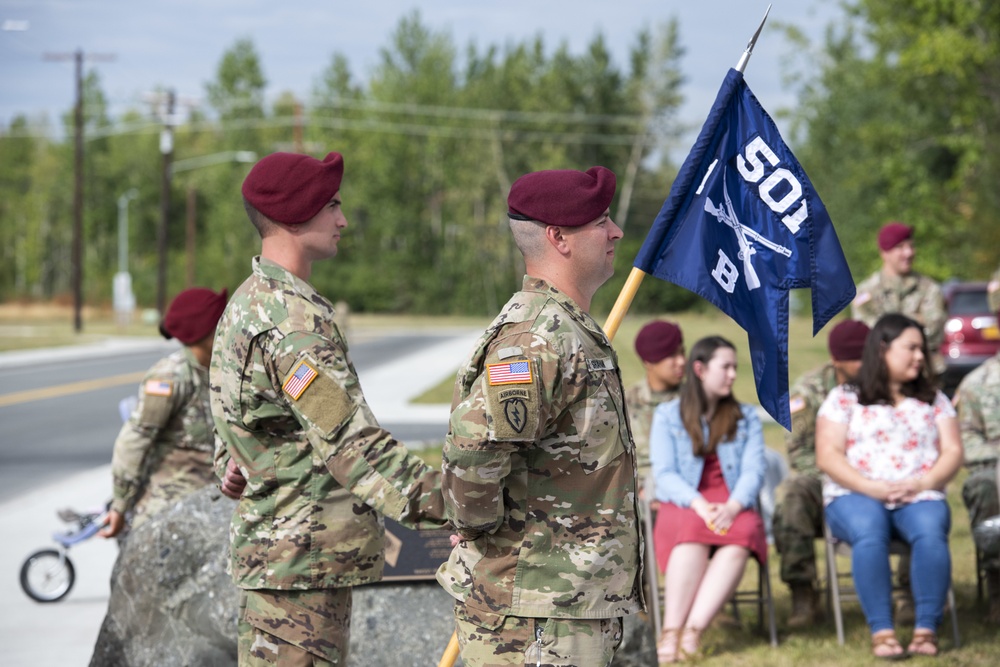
x: 899, y: 111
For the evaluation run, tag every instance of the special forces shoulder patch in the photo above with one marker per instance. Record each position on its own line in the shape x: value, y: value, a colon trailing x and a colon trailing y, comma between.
x: 300, y: 379
x: 511, y: 400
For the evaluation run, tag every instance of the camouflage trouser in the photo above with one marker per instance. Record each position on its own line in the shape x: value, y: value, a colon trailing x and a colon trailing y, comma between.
x: 550, y: 642
x: 797, y: 522
x: 979, y: 493
x: 294, y: 628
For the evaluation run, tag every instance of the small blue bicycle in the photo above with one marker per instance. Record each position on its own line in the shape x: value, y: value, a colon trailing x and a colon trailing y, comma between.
x: 47, y: 575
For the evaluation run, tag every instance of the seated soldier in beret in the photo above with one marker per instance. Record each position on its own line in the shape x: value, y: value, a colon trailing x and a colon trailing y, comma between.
x: 299, y: 447
x: 660, y: 346
x: 164, y: 450
x: 539, y: 469
x: 798, y: 512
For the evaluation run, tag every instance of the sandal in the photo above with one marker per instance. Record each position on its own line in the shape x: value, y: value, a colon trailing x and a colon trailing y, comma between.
x: 925, y: 642
x: 886, y: 647
x: 690, y: 643
x: 666, y: 650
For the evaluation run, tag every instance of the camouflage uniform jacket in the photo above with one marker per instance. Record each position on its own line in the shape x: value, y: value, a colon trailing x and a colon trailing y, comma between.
x: 289, y: 410
x: 539, y: 470
x: 806, y: 396
x: 173, y: 413
x: 915, y: 296
x: 979, y: 412
x: 641, y: 402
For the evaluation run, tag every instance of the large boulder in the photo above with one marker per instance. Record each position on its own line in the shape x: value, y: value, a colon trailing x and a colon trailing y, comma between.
x: 173, y: 604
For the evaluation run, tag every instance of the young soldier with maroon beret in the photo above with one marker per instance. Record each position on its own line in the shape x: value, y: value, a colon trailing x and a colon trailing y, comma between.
x: 539, y: 468
x: 295, y: 429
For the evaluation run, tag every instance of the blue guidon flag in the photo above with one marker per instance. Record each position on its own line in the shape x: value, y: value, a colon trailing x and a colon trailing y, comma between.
x: 742, y: 226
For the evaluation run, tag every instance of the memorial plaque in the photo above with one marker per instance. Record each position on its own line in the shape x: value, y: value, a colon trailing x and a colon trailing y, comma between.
x: 414, y: 555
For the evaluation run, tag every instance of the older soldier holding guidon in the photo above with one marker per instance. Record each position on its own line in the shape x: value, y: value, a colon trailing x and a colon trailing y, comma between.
x: 978, y: 399
x: 897, y: 288
x: 164, y: 450
x: 660, y: 346
x: 292, y: 418
x: 798, y: 511
x: 539, y: 469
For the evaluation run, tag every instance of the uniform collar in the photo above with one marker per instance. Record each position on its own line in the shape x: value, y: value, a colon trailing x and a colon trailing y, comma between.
x: 541, y: 286
x: 271, y: 270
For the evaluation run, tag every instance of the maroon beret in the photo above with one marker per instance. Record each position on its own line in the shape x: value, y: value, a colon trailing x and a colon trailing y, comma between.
x: 292, y: 188
x: 562, y: 197
x: 892, y: 234
x: 658, y: 340
x: 847, y: 339
x: 193, y: 314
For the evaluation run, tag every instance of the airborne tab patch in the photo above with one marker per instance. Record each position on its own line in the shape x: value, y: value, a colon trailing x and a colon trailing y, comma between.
x: 300, y: 379
x: 157, y: 388
x: 512, y: 372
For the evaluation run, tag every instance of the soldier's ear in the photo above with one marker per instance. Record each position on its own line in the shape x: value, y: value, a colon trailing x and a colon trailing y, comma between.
x: 554, y: 235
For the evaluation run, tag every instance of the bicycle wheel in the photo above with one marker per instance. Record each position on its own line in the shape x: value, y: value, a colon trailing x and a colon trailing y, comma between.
x: 47, y: 575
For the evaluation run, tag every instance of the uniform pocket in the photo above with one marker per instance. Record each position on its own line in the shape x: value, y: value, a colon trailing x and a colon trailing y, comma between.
x: 599, y: 419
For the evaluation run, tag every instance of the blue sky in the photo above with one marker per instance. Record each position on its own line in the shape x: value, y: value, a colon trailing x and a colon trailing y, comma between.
x: 178, y: 43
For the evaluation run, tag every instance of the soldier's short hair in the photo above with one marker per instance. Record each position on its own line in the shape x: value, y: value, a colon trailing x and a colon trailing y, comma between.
x: 529, y: 237
x: 261, y: 223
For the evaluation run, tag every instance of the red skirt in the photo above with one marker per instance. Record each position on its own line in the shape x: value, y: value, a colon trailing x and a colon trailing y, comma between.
x: 676, y: 525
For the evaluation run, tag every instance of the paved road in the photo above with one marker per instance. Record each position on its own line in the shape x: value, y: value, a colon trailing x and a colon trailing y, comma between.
x: 60, y: 414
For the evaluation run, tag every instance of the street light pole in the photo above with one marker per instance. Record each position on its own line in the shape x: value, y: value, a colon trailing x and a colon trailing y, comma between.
x: 167, y: 149
x: 121, y: 287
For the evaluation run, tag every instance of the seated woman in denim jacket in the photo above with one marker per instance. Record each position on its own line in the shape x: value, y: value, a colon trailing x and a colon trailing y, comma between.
x: 708, y: 460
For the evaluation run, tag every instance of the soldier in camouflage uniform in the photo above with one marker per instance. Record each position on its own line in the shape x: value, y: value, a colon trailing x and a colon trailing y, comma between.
x: 164, y: 450
x: 897, y: 288
x: 798, y: 511
x: 660, y: 346
x: 291, y: 418
x: 978, y: 399
x: 539, y: 469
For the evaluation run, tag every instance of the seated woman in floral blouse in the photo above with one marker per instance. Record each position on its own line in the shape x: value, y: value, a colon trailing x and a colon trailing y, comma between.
x: 888, y: 446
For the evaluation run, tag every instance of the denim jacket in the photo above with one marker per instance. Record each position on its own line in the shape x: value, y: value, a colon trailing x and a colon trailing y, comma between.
x: 678, y: 471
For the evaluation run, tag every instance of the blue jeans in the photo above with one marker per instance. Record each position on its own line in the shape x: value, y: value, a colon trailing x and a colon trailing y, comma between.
x: 867, y: 525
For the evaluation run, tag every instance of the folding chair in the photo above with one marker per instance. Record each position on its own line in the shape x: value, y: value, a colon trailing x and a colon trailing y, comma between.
x: 762, y: 598
x: 837, y: 593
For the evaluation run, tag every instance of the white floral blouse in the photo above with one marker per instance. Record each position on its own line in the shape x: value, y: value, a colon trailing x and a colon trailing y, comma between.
x: 885, y: 442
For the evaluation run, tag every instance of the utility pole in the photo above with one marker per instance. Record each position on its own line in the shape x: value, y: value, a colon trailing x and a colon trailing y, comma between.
x: 76, y: 252
x: 167, y: 150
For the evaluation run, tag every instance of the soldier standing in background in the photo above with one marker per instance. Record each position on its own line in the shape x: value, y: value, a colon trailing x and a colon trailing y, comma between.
x: 798, y: 511
x: 539, y: 469
x: 897, y: 288
x: 164, y: 450
x: 978, y: 400
x: 660, y: 346
x: 293, y: 423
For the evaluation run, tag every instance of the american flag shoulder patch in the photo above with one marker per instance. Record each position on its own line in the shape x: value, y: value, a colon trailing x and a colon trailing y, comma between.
x: 300, y: 379
x: 509, y: 372
x: 797, y: 403
x: 157, y: 388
